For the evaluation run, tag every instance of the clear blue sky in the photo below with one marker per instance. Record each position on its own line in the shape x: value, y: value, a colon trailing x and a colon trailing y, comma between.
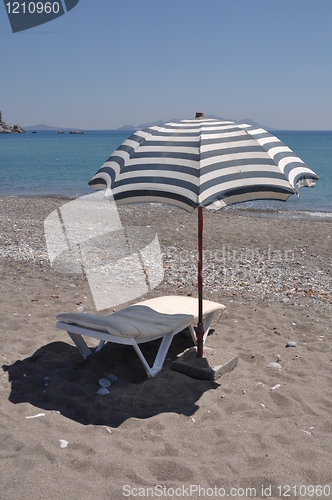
x: 108, y: 63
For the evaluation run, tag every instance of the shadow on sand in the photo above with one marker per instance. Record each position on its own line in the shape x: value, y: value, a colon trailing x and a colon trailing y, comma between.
x: 56, y: 378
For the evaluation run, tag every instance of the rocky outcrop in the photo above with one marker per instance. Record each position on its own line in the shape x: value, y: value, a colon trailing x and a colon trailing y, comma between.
x: 5, y: 128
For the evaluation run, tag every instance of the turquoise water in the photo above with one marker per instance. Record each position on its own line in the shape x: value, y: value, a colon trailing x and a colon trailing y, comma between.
x: 29, y: 166
x: 315, y: 149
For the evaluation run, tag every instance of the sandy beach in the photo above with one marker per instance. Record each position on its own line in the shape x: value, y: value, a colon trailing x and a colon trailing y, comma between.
x: 250, y: 433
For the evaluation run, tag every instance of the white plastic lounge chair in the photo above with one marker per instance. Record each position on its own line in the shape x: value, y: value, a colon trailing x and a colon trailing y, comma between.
x: 143, y: 322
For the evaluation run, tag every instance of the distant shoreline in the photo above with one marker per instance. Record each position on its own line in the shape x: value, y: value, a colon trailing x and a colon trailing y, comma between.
x: 124, y: 130
x: 272, y: 213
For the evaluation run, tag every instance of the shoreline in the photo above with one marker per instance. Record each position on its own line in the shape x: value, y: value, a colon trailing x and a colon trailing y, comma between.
x: 282, y: 213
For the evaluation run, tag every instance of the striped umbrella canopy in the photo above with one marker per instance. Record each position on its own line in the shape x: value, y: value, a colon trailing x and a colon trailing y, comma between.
x: 202, y: 162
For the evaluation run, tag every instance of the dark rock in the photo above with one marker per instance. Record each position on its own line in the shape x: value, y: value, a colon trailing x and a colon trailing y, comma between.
x: 18, y: 130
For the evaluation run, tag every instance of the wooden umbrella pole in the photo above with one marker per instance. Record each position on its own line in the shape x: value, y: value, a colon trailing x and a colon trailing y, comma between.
x: 200, y: 326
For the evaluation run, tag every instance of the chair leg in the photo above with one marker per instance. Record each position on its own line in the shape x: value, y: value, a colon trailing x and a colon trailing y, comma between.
x: 80, y: 344
x: 100, y: 345
x: 207, y: 324
x: 193, y: 333
x: 160, y: 357
x: 142, y: 358
x: 162, y: 352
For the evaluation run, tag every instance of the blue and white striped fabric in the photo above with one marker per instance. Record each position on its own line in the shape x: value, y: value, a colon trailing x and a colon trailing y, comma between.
x: 202, y: 162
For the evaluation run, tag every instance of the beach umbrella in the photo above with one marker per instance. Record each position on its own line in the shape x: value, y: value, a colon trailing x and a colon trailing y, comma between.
x: 198, y: 163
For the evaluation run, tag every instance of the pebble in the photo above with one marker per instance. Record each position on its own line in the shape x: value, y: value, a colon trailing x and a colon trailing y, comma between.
x: 291, y: 344
x: 262, y: 405
x: 103, y: 391
x: 258, y: 384
x: 275, y: 387
x: 104, y: 382
x: 63, y: 443
x: 112, y: 377
x: 243, y: 391
x: 273, y: 365
x: 248, y: 273
x: 307, y: 432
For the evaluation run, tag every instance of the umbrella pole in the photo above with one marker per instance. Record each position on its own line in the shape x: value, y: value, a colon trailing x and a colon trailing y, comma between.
x: 200, y: 326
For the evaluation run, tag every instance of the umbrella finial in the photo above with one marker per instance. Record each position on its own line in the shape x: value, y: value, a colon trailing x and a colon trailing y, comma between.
x: 199, y: 114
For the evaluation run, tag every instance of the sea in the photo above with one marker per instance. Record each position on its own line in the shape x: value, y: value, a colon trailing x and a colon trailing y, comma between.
x: 46, y: 163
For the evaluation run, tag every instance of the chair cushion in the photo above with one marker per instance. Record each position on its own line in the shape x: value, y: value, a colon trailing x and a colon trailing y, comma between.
x: 172, y: 304
x: 136, y: 321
